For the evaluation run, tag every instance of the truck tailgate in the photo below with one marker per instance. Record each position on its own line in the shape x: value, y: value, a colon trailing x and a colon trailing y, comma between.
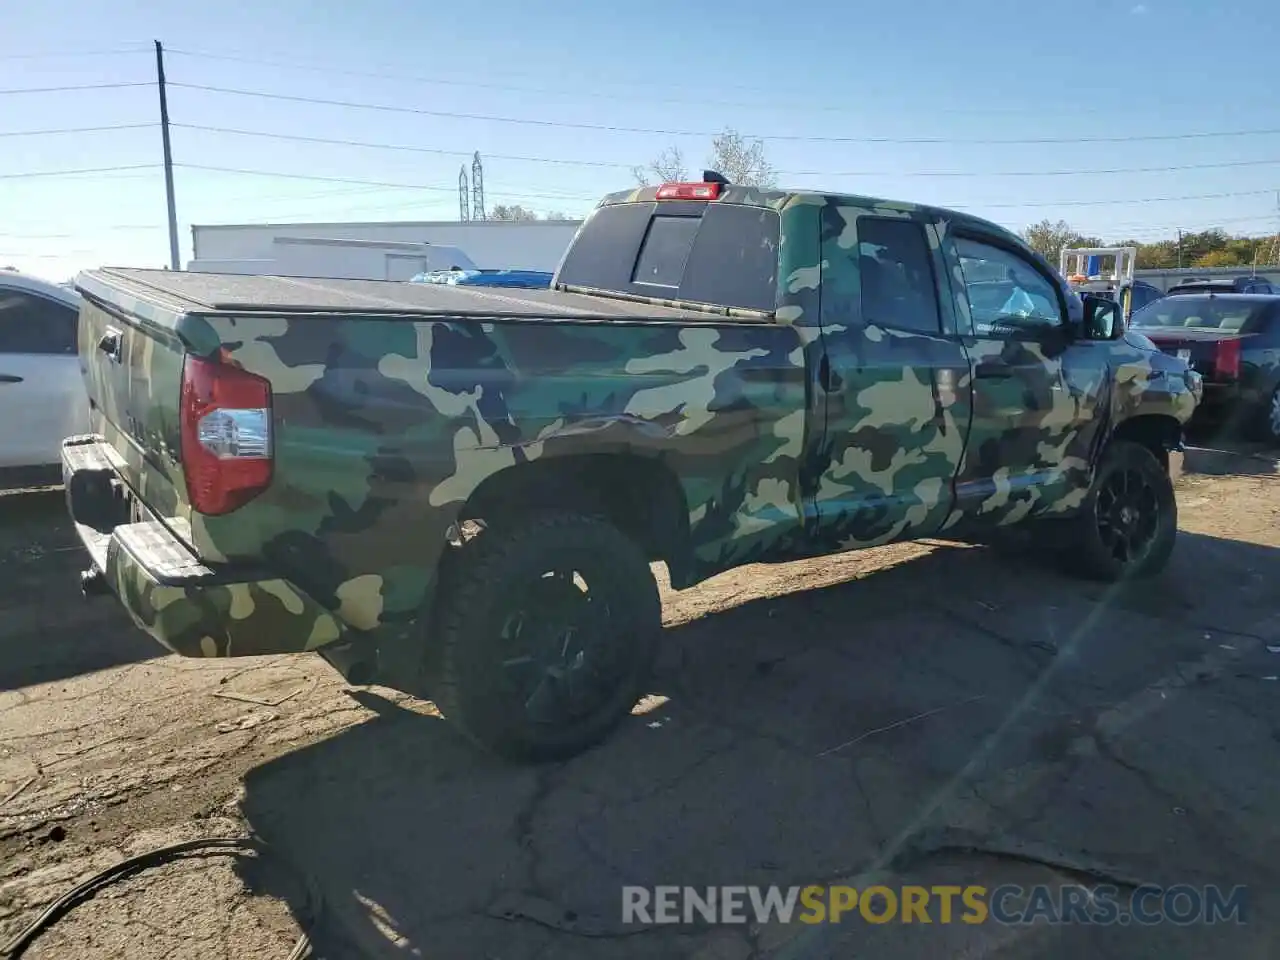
x: 133, y: 371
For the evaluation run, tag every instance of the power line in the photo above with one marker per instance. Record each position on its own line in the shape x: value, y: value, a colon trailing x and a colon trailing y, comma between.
x: 399, y: 206
x: 1109, y: 203
x: 355, y: 180
x: 613, y: 128
x: 76, y: 173
x: 79, y: 86
x: 49, y: 256
x: 328, y: 68
x: 444, y: 82
x: 58, y: 130
x: 1223, y: 165
x: 568, y: 161
x: 547, y: 196
x: 1143, y: 227
x: 1130, y: 230
x: 647, y: 97
x: 63, y: 54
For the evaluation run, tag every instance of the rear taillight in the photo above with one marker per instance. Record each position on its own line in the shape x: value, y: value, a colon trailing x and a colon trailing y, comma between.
x: 226, y: 435
x: 1226, y: 362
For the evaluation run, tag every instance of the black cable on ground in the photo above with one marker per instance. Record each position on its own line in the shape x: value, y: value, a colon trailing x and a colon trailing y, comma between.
x: 84, y: 891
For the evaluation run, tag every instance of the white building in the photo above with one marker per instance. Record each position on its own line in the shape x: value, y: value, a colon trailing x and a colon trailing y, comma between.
x: 378, y: 251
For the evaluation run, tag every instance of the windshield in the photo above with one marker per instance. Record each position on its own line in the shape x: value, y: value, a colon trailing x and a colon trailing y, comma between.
x: 1200, y: 313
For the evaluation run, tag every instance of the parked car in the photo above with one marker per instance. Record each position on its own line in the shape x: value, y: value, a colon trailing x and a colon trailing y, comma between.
x: 1142, y: 294
x: 1233, y: 341
x: 42, y: 392
x: 1224, y: 285
x: 461, y: 491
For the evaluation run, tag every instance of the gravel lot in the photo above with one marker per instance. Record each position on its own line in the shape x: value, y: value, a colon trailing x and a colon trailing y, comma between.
x: 932, y: 712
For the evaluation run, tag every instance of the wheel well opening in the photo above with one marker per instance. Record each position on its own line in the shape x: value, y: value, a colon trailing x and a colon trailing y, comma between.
x: 639, y: 495
x: 1159, y: 433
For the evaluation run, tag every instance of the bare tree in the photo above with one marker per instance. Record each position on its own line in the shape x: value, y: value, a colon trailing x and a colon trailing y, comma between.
x: 502, y: 211
x: 740, y: 160
x: 666, y: 167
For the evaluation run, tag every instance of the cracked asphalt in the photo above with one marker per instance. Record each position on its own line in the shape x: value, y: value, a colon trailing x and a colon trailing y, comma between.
x: 924, y: 713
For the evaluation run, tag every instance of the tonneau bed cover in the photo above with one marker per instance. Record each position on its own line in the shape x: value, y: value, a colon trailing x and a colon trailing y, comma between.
x: 204, y: 293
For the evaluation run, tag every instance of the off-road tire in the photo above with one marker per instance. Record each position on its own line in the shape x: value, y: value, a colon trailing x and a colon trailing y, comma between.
x: 1267, y: 422
x: 464, y: 668
x: 1085, y: 553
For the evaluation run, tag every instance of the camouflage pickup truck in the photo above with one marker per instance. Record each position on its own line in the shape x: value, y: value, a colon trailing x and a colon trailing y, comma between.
x: 462, y: 491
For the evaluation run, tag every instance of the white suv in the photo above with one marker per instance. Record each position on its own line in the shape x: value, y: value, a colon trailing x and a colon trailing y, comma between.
x: 42, y: 394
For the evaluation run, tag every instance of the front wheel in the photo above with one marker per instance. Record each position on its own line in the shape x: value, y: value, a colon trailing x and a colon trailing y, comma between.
x: 545, y: 636
x: 1129, y: 520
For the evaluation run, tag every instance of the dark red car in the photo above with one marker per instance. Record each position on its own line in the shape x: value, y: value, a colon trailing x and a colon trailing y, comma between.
x: 1233, y: 341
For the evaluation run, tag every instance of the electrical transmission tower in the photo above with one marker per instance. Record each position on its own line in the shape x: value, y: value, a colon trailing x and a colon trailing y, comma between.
x: 1273, y: 255
x: 464, y: 204
x: 477, y: 189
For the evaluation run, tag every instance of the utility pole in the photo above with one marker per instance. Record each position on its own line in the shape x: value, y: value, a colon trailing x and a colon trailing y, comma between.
x: 1179, y: 249
x: 168, y: 162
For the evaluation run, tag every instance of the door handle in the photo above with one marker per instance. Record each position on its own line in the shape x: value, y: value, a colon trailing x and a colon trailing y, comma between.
x: 828, y: 378
x: 110, y: 344
x: 993, y: 371
x: 9, y: 378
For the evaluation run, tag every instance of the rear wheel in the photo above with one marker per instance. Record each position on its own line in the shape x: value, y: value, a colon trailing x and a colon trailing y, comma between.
x: 545, y: 635
x: 1270, y: 419
x: 1129, y: 520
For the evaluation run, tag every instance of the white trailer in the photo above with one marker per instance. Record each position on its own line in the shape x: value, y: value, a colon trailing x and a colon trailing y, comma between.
x: 1108, y: 271
x: 271, y: 248
x: 341, y: 259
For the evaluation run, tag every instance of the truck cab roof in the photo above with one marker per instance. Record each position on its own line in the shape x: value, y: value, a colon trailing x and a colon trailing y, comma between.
x: 779, y: 200
x: 727, y: 248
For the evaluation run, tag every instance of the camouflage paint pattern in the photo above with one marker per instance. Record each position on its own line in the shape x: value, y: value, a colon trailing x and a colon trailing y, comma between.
x: 219, y: 620
x: 385, y: 426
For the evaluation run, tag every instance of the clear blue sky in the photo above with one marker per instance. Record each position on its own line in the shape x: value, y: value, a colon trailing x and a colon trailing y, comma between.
x: 987, y: 70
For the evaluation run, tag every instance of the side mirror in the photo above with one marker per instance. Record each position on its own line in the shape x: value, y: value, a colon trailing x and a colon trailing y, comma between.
x: 1103, y: 319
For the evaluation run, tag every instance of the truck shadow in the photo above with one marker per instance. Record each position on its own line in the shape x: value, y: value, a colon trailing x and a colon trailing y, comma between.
x: 798, y: 734
x: 47, y: 630
x: 1237, y: 458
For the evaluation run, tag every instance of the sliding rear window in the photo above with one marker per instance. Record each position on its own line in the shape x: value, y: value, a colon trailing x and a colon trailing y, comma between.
x: 698, y: 252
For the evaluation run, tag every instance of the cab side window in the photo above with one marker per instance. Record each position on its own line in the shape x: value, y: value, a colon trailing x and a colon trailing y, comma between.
x: 32, y: 324
x: 895, y: 267
x: 1007, y: 295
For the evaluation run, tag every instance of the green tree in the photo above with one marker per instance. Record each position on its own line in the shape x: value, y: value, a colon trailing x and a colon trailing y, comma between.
x: 1219, y: 258
x: 1207, y: 248
x: 1049, y: 239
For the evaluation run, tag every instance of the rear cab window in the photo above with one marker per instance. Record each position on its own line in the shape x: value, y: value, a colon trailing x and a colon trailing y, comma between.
x: 895, y: 266
x: 698, y: 252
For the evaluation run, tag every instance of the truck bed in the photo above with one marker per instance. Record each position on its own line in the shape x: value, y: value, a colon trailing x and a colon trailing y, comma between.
x: 213, y: 293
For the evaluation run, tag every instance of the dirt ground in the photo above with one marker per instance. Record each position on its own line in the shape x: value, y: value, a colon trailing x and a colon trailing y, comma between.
x: 922, y: 713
